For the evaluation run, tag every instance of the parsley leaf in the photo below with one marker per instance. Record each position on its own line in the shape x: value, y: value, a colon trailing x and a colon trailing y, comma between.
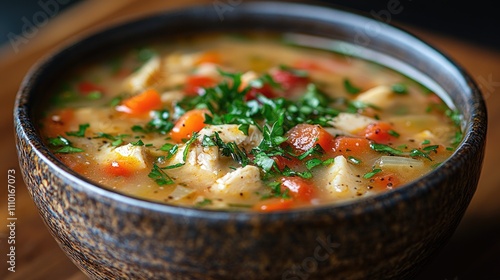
x: 160, y: 176
x: 80, y: 132
x: 350, y: 88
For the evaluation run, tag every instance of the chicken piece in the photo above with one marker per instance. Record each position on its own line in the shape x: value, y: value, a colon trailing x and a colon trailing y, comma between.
x: 208, y: 70
x: 351, y: 123
x: 171, y: 97
x: 231, y: 133
x: 147, y: 76
x: 101, y: 120
x: 380, y: 96
x: 203, y: 166
x: 341, y: 180
x: 179, y: 63
x: 238, y: 182
x: 425, y: 135
x: 133, y: 157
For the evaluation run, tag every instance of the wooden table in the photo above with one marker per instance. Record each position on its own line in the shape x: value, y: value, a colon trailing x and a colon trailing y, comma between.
x: 472, y: 253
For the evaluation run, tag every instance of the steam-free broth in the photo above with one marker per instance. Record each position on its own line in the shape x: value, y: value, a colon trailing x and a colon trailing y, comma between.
x: 246, y: 122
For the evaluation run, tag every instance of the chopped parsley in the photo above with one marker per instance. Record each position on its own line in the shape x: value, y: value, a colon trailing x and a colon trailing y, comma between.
x: 116, y: 140
x: 400, y: 88
x: 372, y: 173
x: 62, y: 145
x: 80, y: 132
x: 350, y: 88
x: 204, y: 202
x: 160, y: 176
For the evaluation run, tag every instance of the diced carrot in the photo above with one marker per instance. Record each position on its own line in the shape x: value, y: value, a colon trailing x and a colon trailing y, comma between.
x: 192, y: 121
x: 196, y: 83
x: 209, y: 57
x: 303, y: 137
x: 142, y: 103
x: 87, y: 87
x: 382, y: 181
x: 299, y: 188
x: 379, y: 132
x: 116, y: 168
x: 351, y: 145
x: 274, y: 204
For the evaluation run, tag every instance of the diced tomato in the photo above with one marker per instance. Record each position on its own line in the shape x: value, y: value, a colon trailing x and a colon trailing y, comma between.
x: 382, y: 181
x: 288, y: 80
x: 274, y: 204
x: 209, y: 57
x: 303, y: 137
x: 299, y: 188
x: 265, y: 90
x: 142, y: 103
x: 86, y: 87
x: 351, y: 145
x: 194, y: 84
x: 115, y: 168
x: 192, y: 121
x: 290, y: 161
x: 379, y: 132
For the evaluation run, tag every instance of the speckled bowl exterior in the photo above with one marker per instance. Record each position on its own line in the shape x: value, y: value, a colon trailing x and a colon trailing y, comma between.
x: 113, y: 236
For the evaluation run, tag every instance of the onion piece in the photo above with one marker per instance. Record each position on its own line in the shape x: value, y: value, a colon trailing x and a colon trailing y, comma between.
x: 395, y: 161
x: 180, y: 192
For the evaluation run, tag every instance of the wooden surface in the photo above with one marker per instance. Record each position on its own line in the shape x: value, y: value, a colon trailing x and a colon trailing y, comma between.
x: 472, y: 253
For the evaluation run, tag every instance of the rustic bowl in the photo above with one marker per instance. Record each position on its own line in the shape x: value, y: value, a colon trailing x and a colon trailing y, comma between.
x: 109, y: 235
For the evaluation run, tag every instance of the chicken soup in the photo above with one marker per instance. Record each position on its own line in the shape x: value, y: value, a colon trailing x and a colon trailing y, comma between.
x: 246, y: 122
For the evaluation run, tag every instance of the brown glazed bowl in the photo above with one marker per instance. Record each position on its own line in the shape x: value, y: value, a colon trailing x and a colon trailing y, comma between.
x: 109, y: 235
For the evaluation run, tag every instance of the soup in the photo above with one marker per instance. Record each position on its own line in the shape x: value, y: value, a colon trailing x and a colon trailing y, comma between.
x: 246, y: 122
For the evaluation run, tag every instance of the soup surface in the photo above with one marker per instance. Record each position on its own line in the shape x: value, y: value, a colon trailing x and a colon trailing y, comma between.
x: 246, y: 122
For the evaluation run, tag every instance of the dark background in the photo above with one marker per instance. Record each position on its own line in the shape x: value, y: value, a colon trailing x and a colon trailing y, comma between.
x: 476, y: 21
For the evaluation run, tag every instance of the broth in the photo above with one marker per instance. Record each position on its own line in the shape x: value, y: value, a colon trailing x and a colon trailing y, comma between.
x: 246, y: 122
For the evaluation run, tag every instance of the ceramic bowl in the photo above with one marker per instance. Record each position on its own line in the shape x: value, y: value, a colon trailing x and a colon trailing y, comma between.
x: 109, y: 235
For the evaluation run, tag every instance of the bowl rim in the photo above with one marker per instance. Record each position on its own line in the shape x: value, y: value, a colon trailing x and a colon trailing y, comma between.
x: 25, y: 126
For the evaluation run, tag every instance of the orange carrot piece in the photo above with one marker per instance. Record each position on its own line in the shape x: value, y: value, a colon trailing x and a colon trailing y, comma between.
x: 298, y: 188
x: 379, y: 132
x: 195, y: 83
x: 352, y: 146
x: 274, y: 204
x: 142, y: 103
x: 209, y: 57
x: 383, y: 181
x: 118, y: 169
x: 192, y: 121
